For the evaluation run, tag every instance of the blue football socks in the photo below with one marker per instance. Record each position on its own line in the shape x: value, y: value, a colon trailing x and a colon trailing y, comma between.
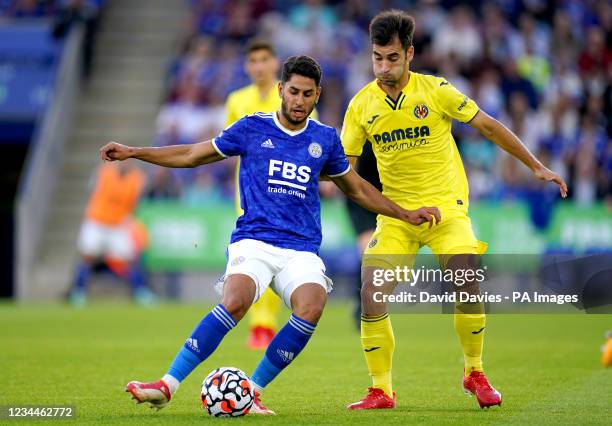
x: 82, y: 276
x: 202, y: 342
x: 283, y: 349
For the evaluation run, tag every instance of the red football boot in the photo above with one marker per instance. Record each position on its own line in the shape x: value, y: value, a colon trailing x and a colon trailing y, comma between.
x: 259, y: 338
x: 478, y: 385
x: 258, y: 407
x: 155, y: 393
x: 375, y: 398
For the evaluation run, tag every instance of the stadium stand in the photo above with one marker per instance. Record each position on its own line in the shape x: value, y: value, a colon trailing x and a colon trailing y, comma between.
x: 525, y: 63
x: 119, y: 101
x: 543, y: 68
x: 522, y: 61
x: 31, y: 85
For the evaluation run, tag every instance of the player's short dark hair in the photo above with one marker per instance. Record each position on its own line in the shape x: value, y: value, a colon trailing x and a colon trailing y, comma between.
x: 256, y: 45
x: 301, y: 65
x: 391, y: 23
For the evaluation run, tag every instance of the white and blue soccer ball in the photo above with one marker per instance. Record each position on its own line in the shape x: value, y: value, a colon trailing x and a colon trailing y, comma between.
x: 227, y: 392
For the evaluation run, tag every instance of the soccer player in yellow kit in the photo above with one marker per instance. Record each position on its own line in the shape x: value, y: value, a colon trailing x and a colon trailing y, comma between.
x: 261, y: 95
x: 407, y: 118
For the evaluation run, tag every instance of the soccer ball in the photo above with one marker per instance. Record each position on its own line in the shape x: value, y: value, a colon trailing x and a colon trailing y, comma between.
x: 227, y: 392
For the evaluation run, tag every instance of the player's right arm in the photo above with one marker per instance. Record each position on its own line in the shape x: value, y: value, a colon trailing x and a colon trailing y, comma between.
x: 230, y: 142
x: 188, y: 155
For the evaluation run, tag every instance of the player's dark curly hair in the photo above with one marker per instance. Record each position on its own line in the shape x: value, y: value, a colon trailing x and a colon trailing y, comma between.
x: 390, y: 23
x: 301, y: 65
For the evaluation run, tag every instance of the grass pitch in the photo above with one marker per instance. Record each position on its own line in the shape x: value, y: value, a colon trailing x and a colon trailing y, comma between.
x: 547, y: 367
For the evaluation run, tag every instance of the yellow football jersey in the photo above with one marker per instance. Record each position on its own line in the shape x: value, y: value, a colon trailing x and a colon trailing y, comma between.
x: 418, y: 160
x: 248, y: 100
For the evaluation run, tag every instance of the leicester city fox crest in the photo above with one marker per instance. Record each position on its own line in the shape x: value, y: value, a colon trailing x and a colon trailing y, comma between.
x: 315, y: 150
x: 238, y: 260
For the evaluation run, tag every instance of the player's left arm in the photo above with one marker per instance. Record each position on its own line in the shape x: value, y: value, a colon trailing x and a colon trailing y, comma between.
x: 499, y: 134
x: 367, y: 196
x: 352, y: 161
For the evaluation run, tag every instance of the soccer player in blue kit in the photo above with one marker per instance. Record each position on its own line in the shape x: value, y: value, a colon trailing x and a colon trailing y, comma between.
x: 276, y: 241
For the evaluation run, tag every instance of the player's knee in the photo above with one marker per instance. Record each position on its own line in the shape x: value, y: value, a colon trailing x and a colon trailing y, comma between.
x: 308, y: 302
x: 370, y: 299
x: 368, y: 290
x: 466, y: 276
x: 310, y: 311
x: 462, y: 261
x: 238, y: 295
x: 236, y: 304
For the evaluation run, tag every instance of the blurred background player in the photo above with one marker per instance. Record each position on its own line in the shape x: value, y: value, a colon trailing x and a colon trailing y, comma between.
x: 261, y: 65
x: 110, y: 234
x: 407, y: 117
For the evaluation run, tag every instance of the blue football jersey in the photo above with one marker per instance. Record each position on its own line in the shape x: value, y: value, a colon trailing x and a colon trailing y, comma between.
x: 279, y: 178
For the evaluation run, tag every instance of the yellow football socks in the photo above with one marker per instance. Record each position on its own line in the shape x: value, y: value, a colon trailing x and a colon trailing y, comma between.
x: 264, y: 312
x: 470, y: 328
x: 378, y: 345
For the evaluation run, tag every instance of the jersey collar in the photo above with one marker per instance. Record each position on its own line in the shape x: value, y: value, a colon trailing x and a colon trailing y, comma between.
x: 395, y: 104
x: 286, y: 130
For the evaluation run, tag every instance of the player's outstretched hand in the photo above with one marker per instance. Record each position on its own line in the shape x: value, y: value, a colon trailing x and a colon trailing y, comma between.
x: 114, y: 151
x: 548, y: 175
x: 422, y: 215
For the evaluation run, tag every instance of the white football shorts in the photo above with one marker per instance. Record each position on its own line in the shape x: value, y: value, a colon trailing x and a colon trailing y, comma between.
x: 282, y: 269
x: 98, y: 240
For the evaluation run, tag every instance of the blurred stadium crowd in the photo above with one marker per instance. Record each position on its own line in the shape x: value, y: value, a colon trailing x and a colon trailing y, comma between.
x: 543, y: 68
x: 65, y: 14
x: 43, y: 8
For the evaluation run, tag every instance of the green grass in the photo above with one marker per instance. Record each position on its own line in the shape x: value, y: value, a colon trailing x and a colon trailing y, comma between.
x: 547, y: 367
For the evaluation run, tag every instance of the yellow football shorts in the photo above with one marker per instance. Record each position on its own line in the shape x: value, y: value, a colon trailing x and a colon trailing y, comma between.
x: 400, y: 241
